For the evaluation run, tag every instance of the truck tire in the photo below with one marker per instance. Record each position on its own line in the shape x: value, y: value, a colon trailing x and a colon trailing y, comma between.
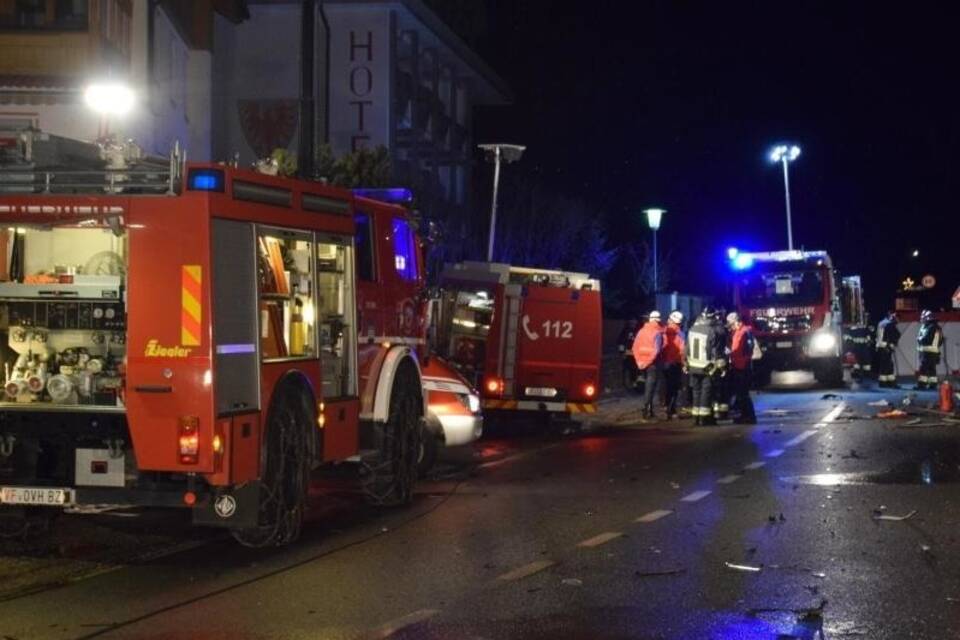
x: 389, y: 476
x: 285, y: 476
x: 429, y: 448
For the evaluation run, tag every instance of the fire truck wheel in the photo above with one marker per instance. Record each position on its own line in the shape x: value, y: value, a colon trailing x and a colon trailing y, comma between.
x: 389, y: 476
x: 286, y: 472
x: 429, y: 447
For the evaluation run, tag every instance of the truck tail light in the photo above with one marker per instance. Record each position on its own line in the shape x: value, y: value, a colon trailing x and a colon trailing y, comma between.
x: 494, y: 385
x: 589, y: 390
x: 189, y: 439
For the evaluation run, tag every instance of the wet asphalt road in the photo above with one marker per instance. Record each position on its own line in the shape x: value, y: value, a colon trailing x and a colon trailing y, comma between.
x: 620, y: 532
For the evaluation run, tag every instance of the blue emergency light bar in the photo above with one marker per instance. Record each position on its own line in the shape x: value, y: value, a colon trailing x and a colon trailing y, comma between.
x: 205, y: 180
x: 393, y: 195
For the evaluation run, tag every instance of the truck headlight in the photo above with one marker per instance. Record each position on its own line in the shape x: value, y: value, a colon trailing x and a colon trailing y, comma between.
x: 823, y: 342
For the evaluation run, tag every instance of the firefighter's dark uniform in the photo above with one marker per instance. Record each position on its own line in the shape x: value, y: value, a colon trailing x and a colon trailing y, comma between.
x: 720, y: 385
x: 929, y: 346
x: 704, y: 351
x: 861, y: 343
x: 888, y: 335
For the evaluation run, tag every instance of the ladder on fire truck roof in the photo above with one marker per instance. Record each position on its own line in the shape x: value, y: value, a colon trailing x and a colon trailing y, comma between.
x: 33, y: 162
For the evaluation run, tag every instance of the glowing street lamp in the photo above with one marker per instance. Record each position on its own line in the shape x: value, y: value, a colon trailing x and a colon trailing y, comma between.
x: 786, y: 154
x: 654, y: 216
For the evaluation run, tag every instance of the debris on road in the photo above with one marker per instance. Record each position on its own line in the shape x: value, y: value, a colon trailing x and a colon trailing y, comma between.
x: 674, y: 485
x: 896, y: 518
x: 831, y: 396
x: 653, y: 574
x: 893, y: 413
x: 743, y: 567
x: 818, y: 574
x: 777, y: 412
x: 879, y: 403
x: 572, y: 582
x: 853, y: 455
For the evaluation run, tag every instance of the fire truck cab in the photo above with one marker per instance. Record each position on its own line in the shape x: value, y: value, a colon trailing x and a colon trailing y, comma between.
x: 792, y: 300
x: 198, y: 336
x: 529, y: 339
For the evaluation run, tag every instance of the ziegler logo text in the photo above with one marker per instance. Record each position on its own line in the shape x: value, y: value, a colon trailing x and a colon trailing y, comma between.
x: 156, y: 350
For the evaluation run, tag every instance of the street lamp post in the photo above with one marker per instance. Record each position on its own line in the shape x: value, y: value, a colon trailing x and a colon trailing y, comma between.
x: 786, y: 154
x: 654, y: 216
x: 496, y: 153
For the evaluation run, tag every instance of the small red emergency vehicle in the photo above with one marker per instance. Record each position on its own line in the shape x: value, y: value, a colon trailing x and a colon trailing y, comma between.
x: 529, y: 339
x: 188, y: 336
x: 792, y: 300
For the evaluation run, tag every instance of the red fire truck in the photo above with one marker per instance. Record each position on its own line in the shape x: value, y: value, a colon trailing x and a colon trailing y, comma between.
x: 529, y: 339
x: 792, y: 299
x: 188, y: 336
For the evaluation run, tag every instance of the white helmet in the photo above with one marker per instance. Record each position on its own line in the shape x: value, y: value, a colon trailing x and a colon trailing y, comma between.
x: 676, y: 317
x: 654, y: 315
x: 733, y: 317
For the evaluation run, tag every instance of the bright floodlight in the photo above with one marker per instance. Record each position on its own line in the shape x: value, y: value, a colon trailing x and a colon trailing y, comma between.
x: 781, y: 151
x: 109, y: 98
x: 916, y: 252
x: 654, y: 216
x: 732, y: 253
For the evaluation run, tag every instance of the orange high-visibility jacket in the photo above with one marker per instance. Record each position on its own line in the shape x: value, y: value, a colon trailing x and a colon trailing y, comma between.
x: 673, y: 345
x: 648, y: 344
x: 741, y: 347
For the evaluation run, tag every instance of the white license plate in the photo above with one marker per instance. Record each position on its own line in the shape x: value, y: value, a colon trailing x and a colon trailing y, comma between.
x: 541, y: 392
x: 36, y: 496
x: 784, y: 345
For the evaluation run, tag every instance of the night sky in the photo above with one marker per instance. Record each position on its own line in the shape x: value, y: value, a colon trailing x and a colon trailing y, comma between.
x: 675, y: 104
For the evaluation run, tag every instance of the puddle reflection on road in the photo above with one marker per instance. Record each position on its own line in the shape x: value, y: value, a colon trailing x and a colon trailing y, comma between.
x: 929, y: 471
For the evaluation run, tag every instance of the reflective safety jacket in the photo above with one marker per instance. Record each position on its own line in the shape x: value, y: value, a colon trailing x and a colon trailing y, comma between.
x: 888, y: 335
x: 673, y: 342
x: 930, y: 338
x: 741, y: 347
x: 704, y: 347
x: 648, y: 344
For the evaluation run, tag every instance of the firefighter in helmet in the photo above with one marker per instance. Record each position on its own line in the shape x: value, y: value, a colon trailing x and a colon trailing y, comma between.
x: 703, y: 351
x: 888, y: 335
x: 861, y: 344
x: 929, y: 345
x: 720, y: 385
x: 648, y: 352
x: 673, y: 361
x: 741, y: 364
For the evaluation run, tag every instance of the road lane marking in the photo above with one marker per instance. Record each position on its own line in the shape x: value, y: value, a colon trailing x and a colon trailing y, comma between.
x: 800, y: 438
x: 774, y: 454
x: 754, y: 465
x: 653, y: 516
x: 408, y: 620
x: 695, y: 496
x: 730, y: 479
x: 526, y: 570
x: 598, y: 540
x: 835, y: 413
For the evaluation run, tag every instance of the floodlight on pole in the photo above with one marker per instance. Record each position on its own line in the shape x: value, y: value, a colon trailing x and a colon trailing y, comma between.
x: 785, y: 154
x: 109, y: 98
x: 495, y: 153
x: 654, y: 217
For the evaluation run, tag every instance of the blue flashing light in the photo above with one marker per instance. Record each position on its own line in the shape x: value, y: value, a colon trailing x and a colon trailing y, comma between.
x: 732, y: 253
x: 742, y: 262
x: 205, y: 180
x: 395, y: 195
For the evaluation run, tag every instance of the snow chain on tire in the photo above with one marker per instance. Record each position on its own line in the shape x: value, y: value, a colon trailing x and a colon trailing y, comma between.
x: 286, y: 477
x: 389, y: 478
